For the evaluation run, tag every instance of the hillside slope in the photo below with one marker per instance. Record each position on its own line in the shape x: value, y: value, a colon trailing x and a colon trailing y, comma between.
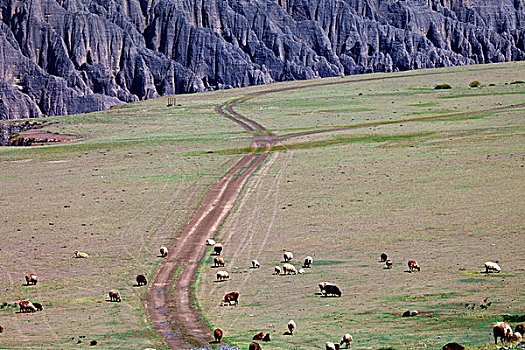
x: 63, y: 57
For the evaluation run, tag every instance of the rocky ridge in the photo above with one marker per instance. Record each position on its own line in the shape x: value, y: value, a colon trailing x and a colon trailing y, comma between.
x: 72, y: 56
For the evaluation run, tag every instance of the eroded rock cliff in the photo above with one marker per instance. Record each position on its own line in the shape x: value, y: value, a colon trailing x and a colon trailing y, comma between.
x: 72, y: 56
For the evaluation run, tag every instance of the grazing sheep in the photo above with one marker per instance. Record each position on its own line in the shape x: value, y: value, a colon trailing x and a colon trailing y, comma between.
x: 453, y: 346
x: 217, y: 248
x: 1, y: 328
x: 254, y: 346
x: 80, y: 254
x: 503, y: 331
x: 346, y: 339
x: 520, y: 329
x: 217, y: 334
x: 258, y: 336
x: 229, y: 297
x: 141, y: 280
x: 163, y: 252
x: 222, y: 276
x: 277, y: 270
x: 332, y: 346
x: 38, y: 306
x: 26, y: 306
x: 492, y: 267
x: 383, y: 257
x: 517, y: 337
x: 31, y: 278
x: 288, y: 269
x: 389, y: 264
x: 413, y: 265
x: 114, y: 295
x: 291, y: 326
x: 332, y: 289
x: 301, y: 271
x: 406, y: 313
x: 308, y: 262
x: 266, y: 337
x: 210, y: 241
x: 288, y: 256
x: 414, y: 313
x: 218, y: 261
x: 255, y: 264
x: 322, y: 286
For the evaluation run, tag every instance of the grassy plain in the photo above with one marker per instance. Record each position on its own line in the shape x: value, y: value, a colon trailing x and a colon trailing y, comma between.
x: 446, y: 191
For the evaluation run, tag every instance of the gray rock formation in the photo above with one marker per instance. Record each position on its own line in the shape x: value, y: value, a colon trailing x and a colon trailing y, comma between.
x: 72, y: 56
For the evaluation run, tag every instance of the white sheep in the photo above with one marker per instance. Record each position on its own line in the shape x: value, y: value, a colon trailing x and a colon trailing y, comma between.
x: 332, y: 346
x: 210, y: 241
x: 301, y: 271
x: 346, y: 339
x: 277, y: 270
x: 288, y: 256
x: 255, y: 264
x: 222, y: 275
x: 288, y: 269
x: 291, y: 326
x: 308, y: 262
x: 492, y: 267
x: 163, y: 251
x: 80, y: 254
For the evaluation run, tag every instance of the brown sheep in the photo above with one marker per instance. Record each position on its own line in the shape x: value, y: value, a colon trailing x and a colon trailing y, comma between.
x: 503, y: 331
x: 413, y: 265
x: 258, y: 336
x: 229, y: 297
x: 79, y: 254
x: 31, y: 278
x: 114, y: 295
x: 218, y: 261
x: 141, y: 280
x: 453, y: 346
x: 254, y: 346
x: 26, y: 306
x: 217, y: 334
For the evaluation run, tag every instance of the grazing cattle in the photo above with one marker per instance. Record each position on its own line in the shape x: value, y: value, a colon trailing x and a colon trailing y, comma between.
x: 210, y: 241
x: 308, y: 262
x: 453, y: 346
x: 288, y: 256
x: 258, y: 336
x: 331, y: 346
x: 217, y: 248
x: 254, y: 346
x: 332, y: 289
x: 38, y: 306
x: 492, y: 267
x: 520, y: 329
x: 389, y: 264
x: 218, y: 261
x: 288, y: 269
x: 291, y: 326
x: 255, y: 264
x: 503, y: 331
x: 229, y: 298
x: 277, y: 270
x: 163, y: 252
x: 413, y: 265
x: 383, y: 257
x: 114, y: 295
x: 346, y: 339
x: 31, y: 278
x: 222, y: 276
x: 26, y: 306
x: 141, y: 280
x: 217, y: 334
x: 80, y: 254
x: 266, y: 338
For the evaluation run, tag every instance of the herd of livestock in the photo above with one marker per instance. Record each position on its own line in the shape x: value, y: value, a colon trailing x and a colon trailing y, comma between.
x: 501, y: 330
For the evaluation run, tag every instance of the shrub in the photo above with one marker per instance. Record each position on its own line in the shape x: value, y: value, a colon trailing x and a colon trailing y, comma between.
x: 442, y: 86
x: 474, y: 84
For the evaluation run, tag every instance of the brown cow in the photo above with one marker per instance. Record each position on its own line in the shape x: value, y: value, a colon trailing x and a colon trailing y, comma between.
x: 114, y: 295
x: 217, y: 334
x: 503, y: 331
x: 218, y: 261
x: 453, y: 346
x: 258, y: 336
x: 254, y: 346
x: 141, y: 280
x: 229, y: 297
x: 31, y: 278
x: 26, y: 306
x: 413, y: 265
